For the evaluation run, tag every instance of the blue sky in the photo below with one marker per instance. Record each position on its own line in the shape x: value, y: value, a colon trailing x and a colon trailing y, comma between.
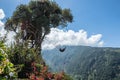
x: 93, y: 16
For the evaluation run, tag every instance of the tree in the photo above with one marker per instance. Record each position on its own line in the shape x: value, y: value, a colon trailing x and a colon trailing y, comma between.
x: 33, y: 21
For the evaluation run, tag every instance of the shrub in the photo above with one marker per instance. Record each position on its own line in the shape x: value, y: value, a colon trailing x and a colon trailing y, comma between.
x: 7, y: 69
x: 40, y: 72
x: 22, y: 56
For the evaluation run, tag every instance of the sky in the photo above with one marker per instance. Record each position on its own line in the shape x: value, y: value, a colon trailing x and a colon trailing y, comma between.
x: 96, y: 22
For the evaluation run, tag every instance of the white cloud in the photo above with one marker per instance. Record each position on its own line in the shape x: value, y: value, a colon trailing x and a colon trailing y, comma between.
x: 59, y: 37
x: 10, y: 35
x: 2, y: 15
x: 3, y: 31
x: 1, y: 23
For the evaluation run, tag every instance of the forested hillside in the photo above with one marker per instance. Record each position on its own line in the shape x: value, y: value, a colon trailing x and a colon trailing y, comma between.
x: 85, y: 63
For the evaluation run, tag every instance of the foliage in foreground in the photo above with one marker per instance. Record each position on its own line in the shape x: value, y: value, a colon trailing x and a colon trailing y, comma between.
x: 31, y: 69
x: 7, y: 70
x: 42, y: 73
x: 22, y: 57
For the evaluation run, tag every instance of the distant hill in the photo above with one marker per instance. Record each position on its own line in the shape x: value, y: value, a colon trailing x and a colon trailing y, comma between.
x: 85, y: 63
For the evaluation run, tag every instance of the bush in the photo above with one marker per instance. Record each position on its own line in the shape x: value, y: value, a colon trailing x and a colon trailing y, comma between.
x: 34, y: 67
x: 7, y: 69
x: 22, y: 56
x: 40, y: 72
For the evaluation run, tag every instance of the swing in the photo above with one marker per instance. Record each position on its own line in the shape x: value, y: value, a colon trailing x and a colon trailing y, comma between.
x: 62, y: 49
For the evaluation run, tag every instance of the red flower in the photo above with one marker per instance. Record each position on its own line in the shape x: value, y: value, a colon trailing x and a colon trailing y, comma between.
x: 49, y: 75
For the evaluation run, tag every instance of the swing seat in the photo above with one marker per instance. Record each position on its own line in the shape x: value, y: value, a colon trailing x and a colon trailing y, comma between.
x: 62, y: 49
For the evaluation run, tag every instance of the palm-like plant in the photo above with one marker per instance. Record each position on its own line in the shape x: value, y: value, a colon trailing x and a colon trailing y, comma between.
x: 35, y: 20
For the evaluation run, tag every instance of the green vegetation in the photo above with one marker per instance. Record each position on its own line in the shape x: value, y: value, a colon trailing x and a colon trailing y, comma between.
x: 7, y: 69
x: 20, y: 62
x: 31, y: 23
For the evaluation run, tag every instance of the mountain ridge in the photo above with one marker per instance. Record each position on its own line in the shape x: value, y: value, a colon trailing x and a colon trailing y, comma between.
x: 83, y: 61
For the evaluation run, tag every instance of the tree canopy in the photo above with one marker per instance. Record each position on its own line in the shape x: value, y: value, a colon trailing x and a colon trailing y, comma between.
x: 35, y: 19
